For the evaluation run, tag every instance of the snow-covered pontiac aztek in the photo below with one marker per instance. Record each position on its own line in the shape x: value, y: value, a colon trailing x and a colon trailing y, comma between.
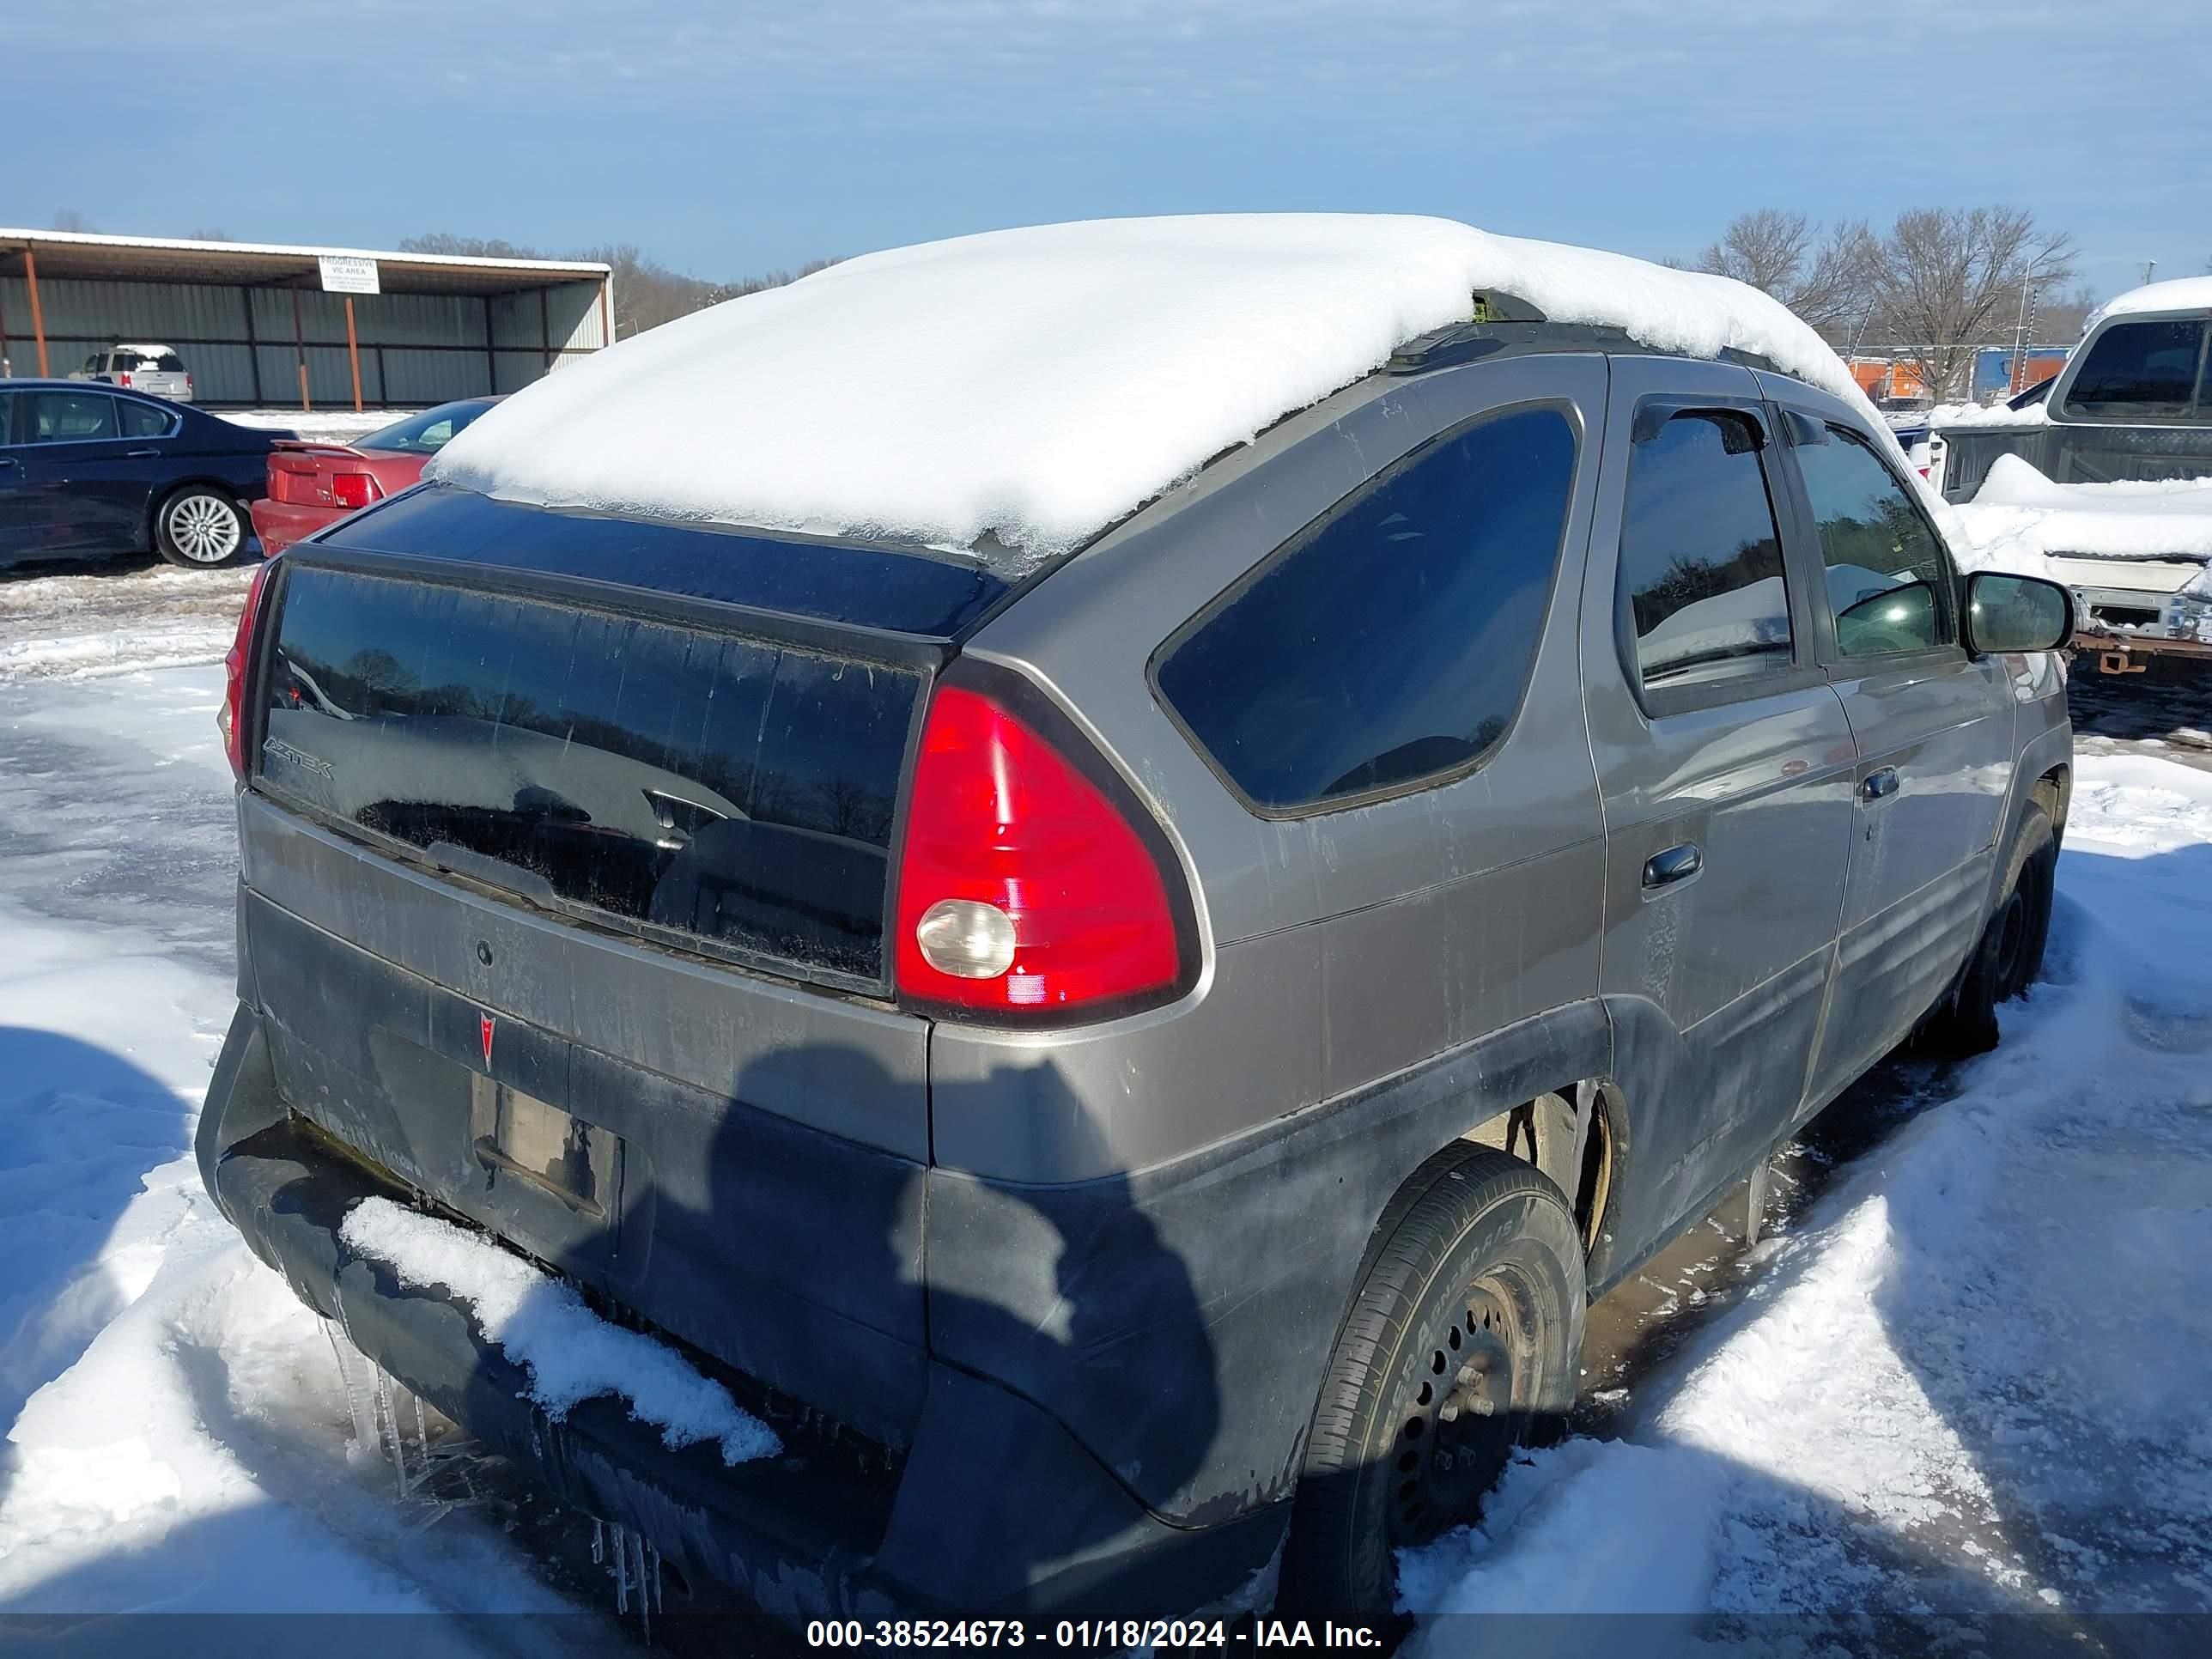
x: 1064, y: 917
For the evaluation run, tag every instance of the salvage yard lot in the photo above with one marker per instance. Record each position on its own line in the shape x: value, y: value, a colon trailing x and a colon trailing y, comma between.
x: 1962, y: 1379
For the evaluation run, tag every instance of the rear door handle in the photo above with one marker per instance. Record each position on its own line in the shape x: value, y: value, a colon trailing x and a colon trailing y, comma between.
x: 1676, y: 864
x: 1878, y: 784
x: 140, y: 454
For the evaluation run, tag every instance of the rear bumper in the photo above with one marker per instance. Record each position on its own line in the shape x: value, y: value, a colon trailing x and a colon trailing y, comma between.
x: 995, y: 1508
x: 279, y: 524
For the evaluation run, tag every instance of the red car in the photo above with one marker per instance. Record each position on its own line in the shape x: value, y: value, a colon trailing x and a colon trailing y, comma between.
x: 313, y: 484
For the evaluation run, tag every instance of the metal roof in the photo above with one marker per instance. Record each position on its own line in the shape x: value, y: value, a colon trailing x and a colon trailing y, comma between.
x: 171, y: 259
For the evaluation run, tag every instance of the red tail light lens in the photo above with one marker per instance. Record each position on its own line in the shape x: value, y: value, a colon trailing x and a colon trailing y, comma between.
x: 123, y: 379
x: 351, y: 490
x: 1022, y: 889
x: 237, y: 672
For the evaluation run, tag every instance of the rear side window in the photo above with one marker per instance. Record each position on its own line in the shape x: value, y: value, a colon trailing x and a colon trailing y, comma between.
x: 1391, y: 640
x: 1702, y: 596
x: 670, y: 777
x: 2148, y: 368
x: 1889, y: 581
x: 144, y: 420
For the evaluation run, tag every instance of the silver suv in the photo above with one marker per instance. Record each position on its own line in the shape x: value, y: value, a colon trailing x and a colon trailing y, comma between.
x: 155, y: 370
x: 1134, y: 1068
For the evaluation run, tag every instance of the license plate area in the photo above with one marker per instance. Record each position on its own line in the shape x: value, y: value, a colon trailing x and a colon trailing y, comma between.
x: 522, y: 1137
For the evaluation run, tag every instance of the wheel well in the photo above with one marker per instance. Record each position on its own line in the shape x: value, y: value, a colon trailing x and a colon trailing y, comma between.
x: 2055, y: 789
x: 1572, y: 1136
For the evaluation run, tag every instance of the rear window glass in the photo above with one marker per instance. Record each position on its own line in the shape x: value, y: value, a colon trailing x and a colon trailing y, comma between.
x: 425, y: 433
x: 1702, y: 594
x: 1391, y: 640
x: 2140, y: 369
x: 680, y: 780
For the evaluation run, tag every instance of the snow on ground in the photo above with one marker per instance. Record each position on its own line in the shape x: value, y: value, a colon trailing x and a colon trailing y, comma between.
x: 2019, y: 520
x: 1038, y: 384
x: 1969, y: 1379
x: 330, y: 426
x: 1971, y: 1383
x: 174, y: 1434
x: 99, y: 616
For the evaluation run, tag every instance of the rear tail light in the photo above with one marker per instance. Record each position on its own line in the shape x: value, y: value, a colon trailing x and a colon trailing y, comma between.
x: 1026, y: 889
x: 123, y: 379
x: 238, y: 674
x: 351, y: 490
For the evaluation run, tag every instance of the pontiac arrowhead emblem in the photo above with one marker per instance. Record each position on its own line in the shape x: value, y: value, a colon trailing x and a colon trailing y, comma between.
x: 484, y: 1023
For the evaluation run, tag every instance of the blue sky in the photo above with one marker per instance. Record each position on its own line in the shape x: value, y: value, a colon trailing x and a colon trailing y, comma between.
x: 727, y: 139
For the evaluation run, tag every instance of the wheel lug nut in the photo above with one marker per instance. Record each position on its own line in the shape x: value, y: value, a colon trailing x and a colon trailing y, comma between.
x: 1482, y: 1405
x: 1448, y: 1414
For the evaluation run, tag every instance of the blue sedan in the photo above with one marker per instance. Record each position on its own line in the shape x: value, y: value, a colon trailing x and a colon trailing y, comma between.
x: 89, y: 470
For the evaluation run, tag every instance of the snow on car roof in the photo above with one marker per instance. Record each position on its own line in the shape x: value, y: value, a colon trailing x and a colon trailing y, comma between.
x: 1037, y: 384
x: 2181, y: 294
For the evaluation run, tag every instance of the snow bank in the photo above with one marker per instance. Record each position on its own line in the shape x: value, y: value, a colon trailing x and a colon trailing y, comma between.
x: 2019, y: 520
x: 2182, y: 294
x: 543, y: 1325
x: 1038, y: 384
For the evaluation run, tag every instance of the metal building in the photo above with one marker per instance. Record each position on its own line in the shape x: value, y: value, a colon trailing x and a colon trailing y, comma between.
x: 319, y: 327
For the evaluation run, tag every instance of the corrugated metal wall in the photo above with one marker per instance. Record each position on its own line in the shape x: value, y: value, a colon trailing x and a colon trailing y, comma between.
x: 416, y: 348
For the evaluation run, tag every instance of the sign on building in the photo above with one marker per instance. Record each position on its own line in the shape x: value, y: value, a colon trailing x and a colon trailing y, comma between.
x: 347, y: 273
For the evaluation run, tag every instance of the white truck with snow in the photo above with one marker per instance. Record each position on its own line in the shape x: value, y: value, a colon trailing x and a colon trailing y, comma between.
x: 2106, y: 484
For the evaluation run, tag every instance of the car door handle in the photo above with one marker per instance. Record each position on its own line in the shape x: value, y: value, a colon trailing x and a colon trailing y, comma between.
x: 1676, y: 864
x: 140, y: 454
x: 1878, y: 784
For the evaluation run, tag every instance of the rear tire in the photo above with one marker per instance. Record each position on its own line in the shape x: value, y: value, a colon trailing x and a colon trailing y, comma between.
x: 1463, y: 1342
x: 200, y: 527
x: 2008, y: 958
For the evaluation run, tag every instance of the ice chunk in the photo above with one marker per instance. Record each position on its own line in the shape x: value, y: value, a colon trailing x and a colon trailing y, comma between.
x: 541, y: 1324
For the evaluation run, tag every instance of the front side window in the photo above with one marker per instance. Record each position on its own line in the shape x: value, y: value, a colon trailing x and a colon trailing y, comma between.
x: 144, y: 420
x: 1391, y: 640
x: 2136, y: 369
x: 70, y: 417
x: 1702, y: 593
x: 1887, y: 580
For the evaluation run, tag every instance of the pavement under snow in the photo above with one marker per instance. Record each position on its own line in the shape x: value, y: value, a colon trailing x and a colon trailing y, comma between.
x: 1966, y: 1381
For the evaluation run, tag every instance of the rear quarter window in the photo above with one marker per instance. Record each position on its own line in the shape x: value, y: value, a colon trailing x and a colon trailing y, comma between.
x: 2137, y: 370
x: 1390, y: 642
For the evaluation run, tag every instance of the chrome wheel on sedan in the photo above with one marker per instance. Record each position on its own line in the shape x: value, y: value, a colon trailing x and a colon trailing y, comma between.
x: 199, y: 526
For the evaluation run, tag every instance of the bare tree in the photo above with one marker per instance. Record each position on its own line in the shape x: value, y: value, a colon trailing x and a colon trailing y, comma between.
x: 70, y: 219
x: 646, y: 292
x: 1827, y: 280
x: 1949, y: 279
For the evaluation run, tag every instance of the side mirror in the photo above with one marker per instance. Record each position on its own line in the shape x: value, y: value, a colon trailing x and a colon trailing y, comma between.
x: 2017, y: 613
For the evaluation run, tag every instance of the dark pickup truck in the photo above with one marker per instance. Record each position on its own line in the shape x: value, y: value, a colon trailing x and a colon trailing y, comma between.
x: 2134, y: 401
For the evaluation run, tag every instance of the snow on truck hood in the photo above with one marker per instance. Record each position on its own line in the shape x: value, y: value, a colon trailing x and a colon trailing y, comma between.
x: 1037, y: 384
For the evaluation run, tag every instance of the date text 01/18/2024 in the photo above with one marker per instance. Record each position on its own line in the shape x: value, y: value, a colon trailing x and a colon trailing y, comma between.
x: 1097, y: 1635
